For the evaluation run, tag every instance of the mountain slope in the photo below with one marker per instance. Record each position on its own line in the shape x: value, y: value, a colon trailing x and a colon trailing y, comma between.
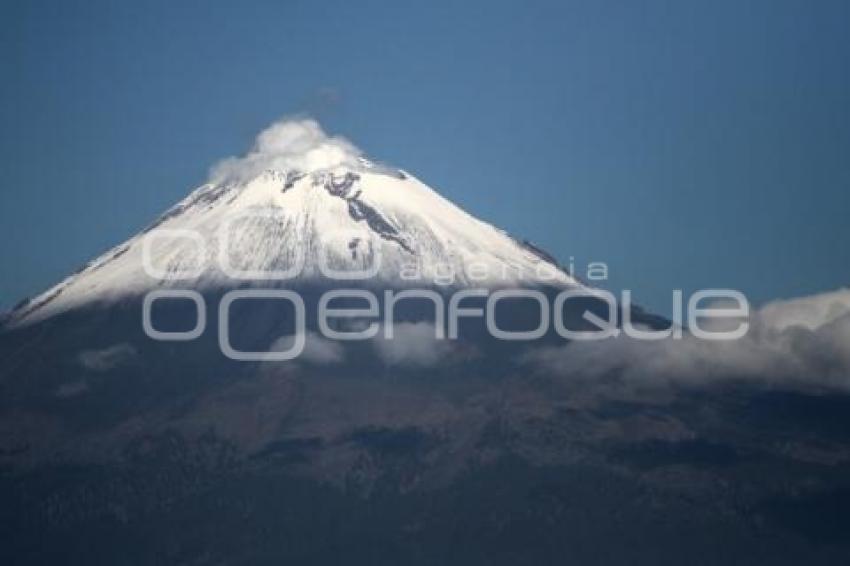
x: 343, y: 219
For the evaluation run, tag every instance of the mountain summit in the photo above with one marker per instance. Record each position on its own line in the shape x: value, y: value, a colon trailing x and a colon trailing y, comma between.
x: 304, y: 206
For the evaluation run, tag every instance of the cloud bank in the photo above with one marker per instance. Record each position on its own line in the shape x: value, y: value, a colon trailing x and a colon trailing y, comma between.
x: 413, y: 345
x: 800, y: 342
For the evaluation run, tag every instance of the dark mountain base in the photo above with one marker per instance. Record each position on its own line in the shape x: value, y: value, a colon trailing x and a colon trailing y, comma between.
x: 166, y: 453
x: 587, y: 486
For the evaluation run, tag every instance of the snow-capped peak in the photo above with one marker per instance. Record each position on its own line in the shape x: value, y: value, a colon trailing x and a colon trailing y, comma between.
x: 308, y: 207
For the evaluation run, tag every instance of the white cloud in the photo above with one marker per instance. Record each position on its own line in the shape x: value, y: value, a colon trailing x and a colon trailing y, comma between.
x: 809, y: 312
x: 412, y: 344
x: 317, y: 349
x: 803, y: 341
x: 289, y: 144
x: 107, y: 358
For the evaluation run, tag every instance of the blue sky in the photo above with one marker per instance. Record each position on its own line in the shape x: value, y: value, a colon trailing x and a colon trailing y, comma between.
x: 686, y: 144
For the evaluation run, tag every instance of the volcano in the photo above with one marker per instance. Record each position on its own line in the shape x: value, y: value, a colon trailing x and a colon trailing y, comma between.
x: 118, y: 447
x: 343, y: 219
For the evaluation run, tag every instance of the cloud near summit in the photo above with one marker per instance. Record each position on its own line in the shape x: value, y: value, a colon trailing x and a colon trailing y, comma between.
x: 289, y: 144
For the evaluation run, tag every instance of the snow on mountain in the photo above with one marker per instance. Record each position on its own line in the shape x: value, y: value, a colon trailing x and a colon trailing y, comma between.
x: 304, y: 207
